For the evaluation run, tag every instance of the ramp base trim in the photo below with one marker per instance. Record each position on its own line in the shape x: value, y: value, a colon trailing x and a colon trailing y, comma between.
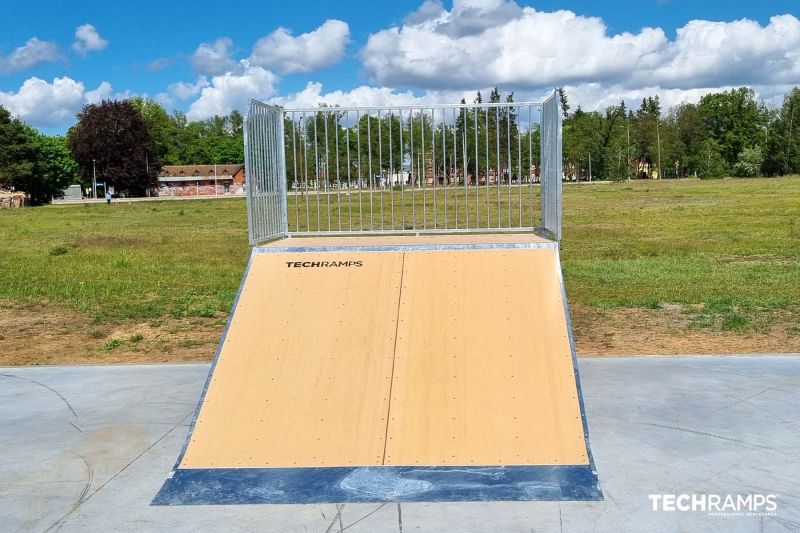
x: 218, y: 486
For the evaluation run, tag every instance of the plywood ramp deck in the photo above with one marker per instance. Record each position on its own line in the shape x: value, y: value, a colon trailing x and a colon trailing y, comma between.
x: 405, y: 356
x: 483, y: 367
x: 303, y: 375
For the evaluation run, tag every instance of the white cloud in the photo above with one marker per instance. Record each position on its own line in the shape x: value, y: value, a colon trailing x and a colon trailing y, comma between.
x: 213, y: 58
x: 312, y: 96
x: 181, y: 91
x: 232, y: 90
x: 43, y: 104
x: 280, y: 51
x: 33, y: 52
x: 103, y: 92
x: 184, y: 91
x: 159, y: 64
x: 87, y: 39
x: 488, y: 42
x: 736, y: 53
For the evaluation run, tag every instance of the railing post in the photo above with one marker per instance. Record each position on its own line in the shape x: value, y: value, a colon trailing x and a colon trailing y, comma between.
x: 551, y: 171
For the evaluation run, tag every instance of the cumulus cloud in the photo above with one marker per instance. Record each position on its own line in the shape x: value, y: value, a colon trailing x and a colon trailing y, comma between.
x: 282, y: 52
x: 159, y: 64
x: 312, y: 96
x: 498, y: 42
x: 184, y: 91
x: 42, y: 104
x: 213, y: 58
x: 87, y: 39
x: 232, y: 90
x: 33, y: 52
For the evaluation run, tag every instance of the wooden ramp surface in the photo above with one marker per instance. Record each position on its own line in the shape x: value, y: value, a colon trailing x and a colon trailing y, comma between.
x: 403, y: 357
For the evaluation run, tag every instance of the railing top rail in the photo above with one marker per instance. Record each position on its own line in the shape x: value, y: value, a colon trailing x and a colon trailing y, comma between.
x: 400, y: 107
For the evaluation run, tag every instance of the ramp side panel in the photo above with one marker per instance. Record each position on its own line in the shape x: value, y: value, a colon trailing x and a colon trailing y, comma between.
x: 303, y: 374
x: 483, y: 365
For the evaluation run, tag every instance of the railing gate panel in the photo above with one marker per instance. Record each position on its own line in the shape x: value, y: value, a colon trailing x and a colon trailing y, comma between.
x: 466, y: 168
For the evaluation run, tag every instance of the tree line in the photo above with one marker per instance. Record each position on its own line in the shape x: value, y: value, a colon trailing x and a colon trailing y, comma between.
x: 125, y: 143
x: 725, y: 134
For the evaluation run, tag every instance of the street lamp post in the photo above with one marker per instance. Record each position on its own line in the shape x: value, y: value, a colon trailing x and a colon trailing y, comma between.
x: 94, y: 180
x: 658, y: 138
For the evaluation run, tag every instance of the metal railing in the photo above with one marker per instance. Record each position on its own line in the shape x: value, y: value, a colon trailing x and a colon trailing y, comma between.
x: 403, y: 169
x: 552, y: 166
x: 265, y: 170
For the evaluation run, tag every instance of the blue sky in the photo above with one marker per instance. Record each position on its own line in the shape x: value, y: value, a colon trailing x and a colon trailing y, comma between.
x: 211, y: 57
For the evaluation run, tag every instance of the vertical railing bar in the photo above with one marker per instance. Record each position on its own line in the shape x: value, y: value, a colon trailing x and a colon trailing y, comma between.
x: 424, y: 170
x: 349, y: 173
x: 266, y: 177
x: 283, y: 185
x: 476, y: 177
x: 305, y: 171
x: 259, y: 189
x: 338, y: 179
x: 445, y: 173
x: 463, y: 112
x: 269, y: 128
x: 434, y: 166
x: 257, y: 148
x: 277, y: 145
x: 497, y: 160
x: 294, y: 165
x: 519, y: 167
x: 358, y: 145
x: 390, y: 117
x: 402, y: 172
x: 370, y: 183
x: 413, y: 174
x: 488, y: 164
x: 508, y: 159
x: 247, y: 171
x: 455, y: 167
x: 380, y: 163
x: 326, y: 116
x: 316, y: 170
x: 530, y: 161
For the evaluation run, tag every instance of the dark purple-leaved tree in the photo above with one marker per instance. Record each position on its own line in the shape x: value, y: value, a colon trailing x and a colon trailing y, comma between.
x: 113, y: 138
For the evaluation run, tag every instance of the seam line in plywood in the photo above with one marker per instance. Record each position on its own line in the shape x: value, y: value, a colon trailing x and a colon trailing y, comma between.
x: 394, y: 356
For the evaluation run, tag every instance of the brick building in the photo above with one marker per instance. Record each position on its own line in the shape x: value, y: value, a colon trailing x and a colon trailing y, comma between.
x: 201, y: 180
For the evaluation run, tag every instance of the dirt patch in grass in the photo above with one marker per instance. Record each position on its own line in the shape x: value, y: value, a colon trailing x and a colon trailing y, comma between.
x: 44, y: 335
x: 676, y: 330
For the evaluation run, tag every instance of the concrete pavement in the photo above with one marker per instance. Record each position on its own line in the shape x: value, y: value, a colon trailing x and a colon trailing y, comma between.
x: 85, y: 449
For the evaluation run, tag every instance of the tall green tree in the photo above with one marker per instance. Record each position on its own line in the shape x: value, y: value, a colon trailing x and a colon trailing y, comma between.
x: 162, y: 129
x: 113, y: 138
x: 783, y: 148
x: 17, y: 153
x: 734, y: 120
x: 54, y: 168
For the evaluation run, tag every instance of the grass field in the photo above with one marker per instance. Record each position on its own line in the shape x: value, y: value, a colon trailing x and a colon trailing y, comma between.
x: 708, y: 262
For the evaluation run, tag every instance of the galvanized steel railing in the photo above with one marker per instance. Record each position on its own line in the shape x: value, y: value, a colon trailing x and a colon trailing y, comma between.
x: 265, y: 171
x: 403, y: 169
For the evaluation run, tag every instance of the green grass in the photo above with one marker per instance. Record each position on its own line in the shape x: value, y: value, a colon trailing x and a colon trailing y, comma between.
x: 125, y: 261
x: 727, y: 250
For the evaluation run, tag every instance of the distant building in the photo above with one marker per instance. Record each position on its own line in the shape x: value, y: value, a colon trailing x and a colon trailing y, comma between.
x: 73, y: 192
x: 201, y: 180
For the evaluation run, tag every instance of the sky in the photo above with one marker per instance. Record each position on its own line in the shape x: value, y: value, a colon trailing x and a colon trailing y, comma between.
x: 208, y: 58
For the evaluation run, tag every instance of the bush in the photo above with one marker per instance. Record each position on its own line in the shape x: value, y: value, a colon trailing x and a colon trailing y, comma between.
x: 710, y: 162
x: 749, y: 162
